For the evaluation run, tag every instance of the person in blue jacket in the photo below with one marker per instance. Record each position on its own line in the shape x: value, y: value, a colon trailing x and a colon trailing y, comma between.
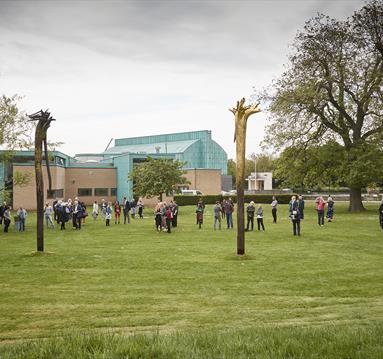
x: 295, y: 216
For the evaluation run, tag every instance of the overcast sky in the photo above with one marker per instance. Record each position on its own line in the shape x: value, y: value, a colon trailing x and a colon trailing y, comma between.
x: 112, y: 69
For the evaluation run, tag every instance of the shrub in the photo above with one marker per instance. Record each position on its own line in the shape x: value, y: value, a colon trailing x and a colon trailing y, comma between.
x: 212, y: 199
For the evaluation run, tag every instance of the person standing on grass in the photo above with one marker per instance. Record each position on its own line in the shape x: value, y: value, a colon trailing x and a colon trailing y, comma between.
x: 95, y: 210
x: 77, y: 214
x: 200, y: 204
x: 217, y: 215
x: 108, y: 214
x: 223, y: 209
x: 6, y: 218
x: 274, y: 205
x: 330, y: 209
x: 295, y: 216
x: 22, y: 214
x: 158, y: 216
x: 126, y: 210
x: 117, y: 212
x: 301, y: 206
x: 199, y: 214
x: 250, y: 210
x: 168, y: 216
x: 229, y: 209
x: 140, y: 205
x: 381, y: 214
x: 74, y: 209
x: 321, y: 204
x: 163, y: 215
x: 2, y: 210
x: 63, y: 213
x: 133, y: 208
x: 103, y: 209
x: 55, y: 211
x: 84, y: 213
x: 48, y: 215
x: 175, y: 214
x: 260, y: 218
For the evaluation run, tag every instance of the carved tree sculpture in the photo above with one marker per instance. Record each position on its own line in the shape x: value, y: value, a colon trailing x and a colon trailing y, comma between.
x: 44, y: 120
x: 241, y: 113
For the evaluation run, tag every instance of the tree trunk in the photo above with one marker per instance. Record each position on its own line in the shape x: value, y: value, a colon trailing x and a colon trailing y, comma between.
x: 39, y: 135
x: 160, y: 197
x: 356, y: 204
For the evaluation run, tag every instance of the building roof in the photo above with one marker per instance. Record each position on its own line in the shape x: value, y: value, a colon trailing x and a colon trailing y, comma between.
x: 169, y: 137
x: 151, y: 148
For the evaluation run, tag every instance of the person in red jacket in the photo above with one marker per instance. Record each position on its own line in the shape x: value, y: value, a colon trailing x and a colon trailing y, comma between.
x: 168, y: 218
x: 321, y: 204
x: 117, y: 212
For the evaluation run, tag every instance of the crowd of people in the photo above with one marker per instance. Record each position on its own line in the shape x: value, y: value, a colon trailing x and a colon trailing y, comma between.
x: 165, y: 216
x: 5, y: 218
x: 225, y: 209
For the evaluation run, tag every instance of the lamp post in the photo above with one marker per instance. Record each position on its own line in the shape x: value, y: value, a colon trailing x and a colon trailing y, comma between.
x: 241, y: 114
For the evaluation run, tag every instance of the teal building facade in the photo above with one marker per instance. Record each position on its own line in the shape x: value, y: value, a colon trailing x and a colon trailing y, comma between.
x: 197, y: 149
x: 93, y: 172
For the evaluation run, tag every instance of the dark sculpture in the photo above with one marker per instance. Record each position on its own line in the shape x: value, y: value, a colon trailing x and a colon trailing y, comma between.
x: 44, y: 120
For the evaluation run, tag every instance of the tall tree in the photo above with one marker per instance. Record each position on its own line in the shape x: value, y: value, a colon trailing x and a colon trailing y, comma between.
x: 231, y: 169
x: 333, y: 90
x: 265, y: 162
x: 15, y: 130
x: 312, y: 167
x: 15, y: 134
x: 157, y: 176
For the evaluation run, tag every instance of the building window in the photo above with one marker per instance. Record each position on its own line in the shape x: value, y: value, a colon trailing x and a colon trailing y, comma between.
x: 60, y: 161
x: 101, y: 192
x: 55, y: 193
x: 84, y: 192
x: 113, y: 191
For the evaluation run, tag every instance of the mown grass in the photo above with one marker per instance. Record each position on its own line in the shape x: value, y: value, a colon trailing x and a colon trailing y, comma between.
x: 288, y: 294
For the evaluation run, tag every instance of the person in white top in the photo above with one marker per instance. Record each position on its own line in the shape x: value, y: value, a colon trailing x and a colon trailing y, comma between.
x: 48, y: 215
x: 95, y: 210
x: 274, y: 205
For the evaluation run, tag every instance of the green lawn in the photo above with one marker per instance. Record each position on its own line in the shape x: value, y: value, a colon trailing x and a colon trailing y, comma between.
x: 189, y: 287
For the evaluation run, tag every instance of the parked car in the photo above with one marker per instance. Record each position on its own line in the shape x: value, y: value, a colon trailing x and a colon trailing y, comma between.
x: 224, y: 193
x: 191, y: 192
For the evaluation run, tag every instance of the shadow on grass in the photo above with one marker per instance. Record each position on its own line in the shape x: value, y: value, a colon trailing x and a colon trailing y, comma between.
x: 39, y: 254
x: 239, y: 258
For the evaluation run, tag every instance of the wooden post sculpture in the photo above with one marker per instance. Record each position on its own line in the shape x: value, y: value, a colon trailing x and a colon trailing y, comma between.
x: 44, y: 119
x: 241, y: 114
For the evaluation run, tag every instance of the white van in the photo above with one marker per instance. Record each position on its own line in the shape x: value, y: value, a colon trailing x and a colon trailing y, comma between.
x: 191, y: 192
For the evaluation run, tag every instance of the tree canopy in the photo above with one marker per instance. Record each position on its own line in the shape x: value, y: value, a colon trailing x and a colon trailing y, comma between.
x: 332, y: 91
x: 15, y: 134
x: 263, y: 161
x: 15, y: 129
x: 157, y: 176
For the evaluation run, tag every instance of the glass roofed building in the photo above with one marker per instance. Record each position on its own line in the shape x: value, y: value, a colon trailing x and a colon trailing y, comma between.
x: 104, y: 175
x: 197, y: 149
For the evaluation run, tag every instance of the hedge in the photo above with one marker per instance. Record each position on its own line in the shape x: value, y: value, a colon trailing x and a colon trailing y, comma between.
x: 212, y: 199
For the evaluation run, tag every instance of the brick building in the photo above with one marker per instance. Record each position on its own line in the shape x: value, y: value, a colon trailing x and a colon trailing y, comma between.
x: 104, y: 175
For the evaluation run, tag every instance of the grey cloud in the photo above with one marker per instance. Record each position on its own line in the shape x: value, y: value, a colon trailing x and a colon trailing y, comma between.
x: 241, y: 33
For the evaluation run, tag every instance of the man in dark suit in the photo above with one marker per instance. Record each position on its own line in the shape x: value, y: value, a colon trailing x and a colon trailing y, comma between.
x: 77, y: 214
x: 126, y: 209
